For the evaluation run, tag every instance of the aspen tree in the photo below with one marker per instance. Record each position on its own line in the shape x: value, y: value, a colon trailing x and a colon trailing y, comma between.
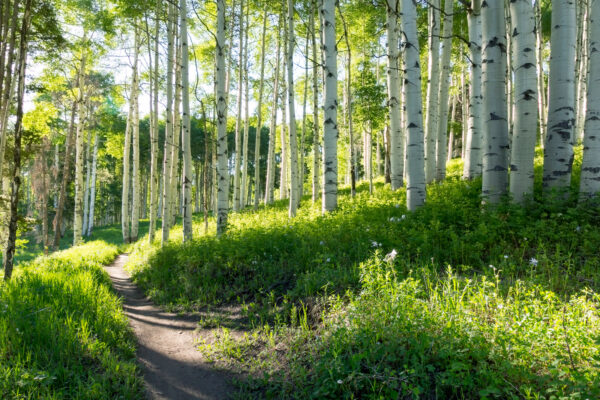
x: 221, y: 95
x: 9, y: 252
x: 525, y: 89
x: 393, y: 88
x: 79, y: 165
x: 135, y: 141
x: 90, y: 224
x: 444, y: 82
x: 316, y: 187
x: 590, y: 168
x: 244, y: 182
x: 474, y: 140
x: 238, y: 121
x: 558, y: 149
x: 330, y: 103
x: 293, y: 138
x: 257, y: 183
x: 270, y: 177
x: 185, y: 134
x: 154, y: 180
x: 433, y: 73
x: 88, y: 171
x: 495, y: 168
x: 415, y: 162
x: 166, y: 182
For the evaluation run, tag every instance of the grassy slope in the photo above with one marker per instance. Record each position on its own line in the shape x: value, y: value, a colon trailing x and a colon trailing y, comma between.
x: 62, y: 331
x: 516, y: 314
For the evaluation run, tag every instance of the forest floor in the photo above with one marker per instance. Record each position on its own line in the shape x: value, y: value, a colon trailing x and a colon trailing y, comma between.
x: 171, y: 365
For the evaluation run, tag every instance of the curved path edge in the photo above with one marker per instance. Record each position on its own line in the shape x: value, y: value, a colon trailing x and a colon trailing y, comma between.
x: 172, y: 366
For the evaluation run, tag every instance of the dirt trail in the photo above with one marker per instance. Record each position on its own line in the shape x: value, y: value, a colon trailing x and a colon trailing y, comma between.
x: 172, y: 367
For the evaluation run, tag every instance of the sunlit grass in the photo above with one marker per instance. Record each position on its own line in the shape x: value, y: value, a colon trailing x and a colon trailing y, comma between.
x: 63, y: 334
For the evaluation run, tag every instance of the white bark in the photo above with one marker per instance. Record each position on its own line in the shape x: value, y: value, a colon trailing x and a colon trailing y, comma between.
x: 284, y: 172
x: 393, y: 83
x: 79, y: 179
x: 154, y: 180
x: 316, y: 187
x: 558, y: 151
x: 257, y: 183
x: 590, y: 168
x: 135, y: 181
x: 433, y: 73
x: 166, y: 182
x: 90, y: 224
x: 444, y: 82
x: 330, y: 127
x: 185, y: 133
x: 270, y: 178
x: 415, y: 161
x: 222, y: 170
x: 244, y: 184
x: 525, y: 89
x: 294, y: 190
x: 238, y: 121
x: 474, y: 144
x: 86, y: 193
x: 495, y: 171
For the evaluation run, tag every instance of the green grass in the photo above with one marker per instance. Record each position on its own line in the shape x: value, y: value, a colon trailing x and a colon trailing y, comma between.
x: 28, y: 248
x: 493, y: 302
x: 63, y: 334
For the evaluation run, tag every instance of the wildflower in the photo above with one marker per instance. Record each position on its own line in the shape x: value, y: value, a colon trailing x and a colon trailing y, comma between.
x: 328, y: 259
x: 533, y: 261
x: 339, y: 381
x: 322, y: 243
x: 506, y: 256
x: 375, y: 244
x: 397, y: 205
x: 492, y: 267
x: 391, y: 256
x: 578, y: 229
x: 403, y: 216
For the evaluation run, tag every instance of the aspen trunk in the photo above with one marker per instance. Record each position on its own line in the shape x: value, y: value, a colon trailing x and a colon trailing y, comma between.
x: 185, y: 134
x: 393, y: 83
x: 293, y: 138
x: 415, y: 162
x: 154, y: 180
x: 330, y: 101
x: 79, y: 165
x: 433, y: 73
x: 244, y: 184
x: 62, y: 197
x: 238, y: 122
x: 442, y: 127
x: 283, y: 175
x: 558, y: 151
x: 166, y: 182
x: 257, y: 183
x: 222, y: 168
x: 316, y: 187
x: 474, y: 143
x: 135, y: 177
x: 9, y: 252
x: 90, y: 224
x: 590, y: 168
x: 175, y: 198
x: 88, y: 171
x: 495, y: 168
x: 526, y: 116
x: 270, y: 178
x: 542, y: 110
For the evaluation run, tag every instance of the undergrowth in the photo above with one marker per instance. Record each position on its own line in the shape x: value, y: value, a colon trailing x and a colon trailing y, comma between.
x: 63, y: 334
x: 456, y: 300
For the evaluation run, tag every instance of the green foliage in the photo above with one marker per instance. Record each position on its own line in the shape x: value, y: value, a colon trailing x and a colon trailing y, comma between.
x: 492, y: 303
x: 62, y: 331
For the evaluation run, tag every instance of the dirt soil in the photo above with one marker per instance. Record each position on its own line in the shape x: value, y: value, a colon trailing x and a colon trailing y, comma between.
x: 172, y: 366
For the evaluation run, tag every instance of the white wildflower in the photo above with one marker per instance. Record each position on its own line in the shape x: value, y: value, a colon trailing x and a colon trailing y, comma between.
x: 506, y: 256
x: 391, y: 256
x: 339, y: 381
x: 322, y: 243
x: 533, y: 261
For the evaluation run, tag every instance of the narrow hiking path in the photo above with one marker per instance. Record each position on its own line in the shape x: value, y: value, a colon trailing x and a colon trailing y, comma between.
x: 172, y: 366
